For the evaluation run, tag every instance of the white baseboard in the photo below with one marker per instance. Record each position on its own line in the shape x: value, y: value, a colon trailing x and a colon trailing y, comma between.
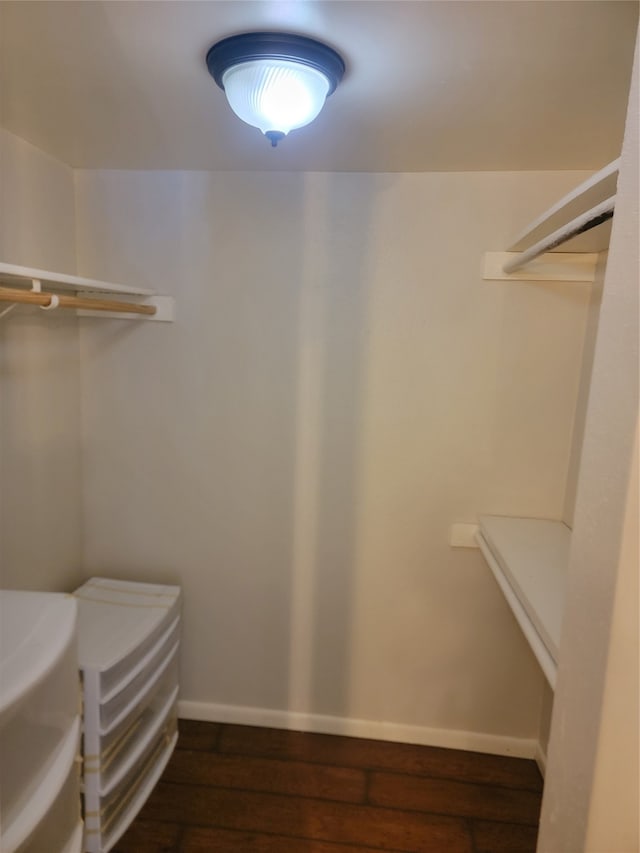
x: 541, y: 759
x: 372, y: 729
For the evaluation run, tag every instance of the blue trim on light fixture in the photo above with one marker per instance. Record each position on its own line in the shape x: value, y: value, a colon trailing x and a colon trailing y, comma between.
x: 250, y: 46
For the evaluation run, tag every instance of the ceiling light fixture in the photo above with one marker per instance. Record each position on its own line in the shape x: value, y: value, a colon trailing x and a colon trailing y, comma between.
x: 275, y: 81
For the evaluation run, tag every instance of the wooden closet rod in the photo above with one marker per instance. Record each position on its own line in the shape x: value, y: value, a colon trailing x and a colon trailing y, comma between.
x: 30, y: 297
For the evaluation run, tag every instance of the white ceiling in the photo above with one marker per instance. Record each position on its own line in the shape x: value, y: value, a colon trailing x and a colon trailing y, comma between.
x: 430, y: 86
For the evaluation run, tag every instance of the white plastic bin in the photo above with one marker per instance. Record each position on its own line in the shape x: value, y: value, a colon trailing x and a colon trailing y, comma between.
x: 39, y: 724
x: 128, y: 644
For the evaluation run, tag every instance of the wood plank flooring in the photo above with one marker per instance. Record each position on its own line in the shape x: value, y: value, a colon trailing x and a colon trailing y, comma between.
x: 240, y: 789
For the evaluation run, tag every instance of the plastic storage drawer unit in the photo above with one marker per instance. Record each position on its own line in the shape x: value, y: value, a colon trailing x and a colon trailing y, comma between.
x: 128, y: 643
x: 39, y: 724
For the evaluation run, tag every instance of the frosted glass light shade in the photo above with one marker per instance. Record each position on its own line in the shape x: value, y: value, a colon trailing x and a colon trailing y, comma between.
x: 275, y: 81
x: 275, y: 94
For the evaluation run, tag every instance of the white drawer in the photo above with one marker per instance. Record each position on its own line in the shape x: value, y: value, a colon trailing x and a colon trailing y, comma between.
x: 119, y: 623
x: 33, y: 735
x: 114, y: 812
x: 129, y: 638
x: 100, y: 747
x: 104, y: 772
x: 52, y: 830
x: 120, y: 706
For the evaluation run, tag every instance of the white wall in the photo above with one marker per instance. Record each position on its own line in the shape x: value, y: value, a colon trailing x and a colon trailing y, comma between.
x: 339, y: 387
x: 37, y: 214
x: 591, y: 790
x: 615, y: 797
x: 586, y: 372
x: 40, y: 468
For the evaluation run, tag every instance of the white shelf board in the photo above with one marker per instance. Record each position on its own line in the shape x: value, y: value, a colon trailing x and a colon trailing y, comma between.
x: 16, y: 275
x: 531, y: 555
x: 593, y: 191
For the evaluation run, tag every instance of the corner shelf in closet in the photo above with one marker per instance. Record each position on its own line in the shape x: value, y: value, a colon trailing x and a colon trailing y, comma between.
x: 81, y: 294
x: 580, y: 222
x: 529, y: 558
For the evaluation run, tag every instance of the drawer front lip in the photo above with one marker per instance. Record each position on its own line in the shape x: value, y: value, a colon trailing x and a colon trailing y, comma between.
x: 114, y: 677
x: 139, y: 747
x: 152, y: 653
x: 103, y: 746
x: 109, y: 721
x: 59, y: 776
x: 112, y: 802
x: 99, y: 835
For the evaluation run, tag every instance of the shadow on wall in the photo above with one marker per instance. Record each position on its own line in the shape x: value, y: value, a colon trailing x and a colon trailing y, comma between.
x: 222, y: 450
x: 283, y: 409
x: 40, y: 466
x: 332, y: 339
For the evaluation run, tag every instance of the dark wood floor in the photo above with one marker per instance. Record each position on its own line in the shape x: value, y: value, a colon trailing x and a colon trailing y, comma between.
x: 239, y: 789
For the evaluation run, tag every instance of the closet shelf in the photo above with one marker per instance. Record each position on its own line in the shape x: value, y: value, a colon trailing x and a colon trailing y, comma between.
x: 132, y: 302
x: 12, y: 274
x: 584, y: 198
x: 580, y: 223
x: 529, y: 559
